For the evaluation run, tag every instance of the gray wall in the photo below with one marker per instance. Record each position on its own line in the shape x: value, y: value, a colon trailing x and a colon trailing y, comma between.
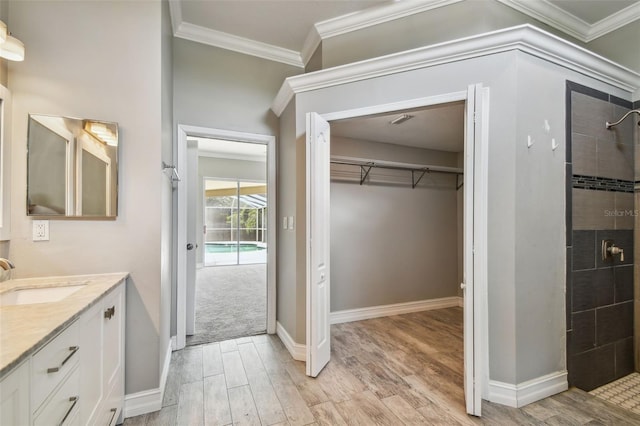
x: 105, y: 63
x: 526, y: 222
x: 286, y: 260
x: 226, y: 90
x: 538, y: 217
x: 391, y: 243
x: 210, y: 167
x: 459, y: 20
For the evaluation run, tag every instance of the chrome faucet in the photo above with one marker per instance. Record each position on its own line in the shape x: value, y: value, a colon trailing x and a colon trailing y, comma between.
x: 6, y: 266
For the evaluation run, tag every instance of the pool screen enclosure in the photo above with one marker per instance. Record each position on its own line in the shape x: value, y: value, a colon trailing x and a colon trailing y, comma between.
x: 235, y: 219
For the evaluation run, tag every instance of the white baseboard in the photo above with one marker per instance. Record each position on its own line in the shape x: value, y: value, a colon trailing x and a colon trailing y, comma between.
x: 360, y: 314
x: 527, y: 392
x: 150, y: 400
x: 297, y: 350
x: 461, y: 301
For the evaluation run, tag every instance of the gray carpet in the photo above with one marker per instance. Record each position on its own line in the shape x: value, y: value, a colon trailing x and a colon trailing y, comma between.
x: 231, y: 301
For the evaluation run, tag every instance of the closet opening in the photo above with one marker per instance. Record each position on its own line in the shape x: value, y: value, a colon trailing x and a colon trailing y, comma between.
x: 396, y: 246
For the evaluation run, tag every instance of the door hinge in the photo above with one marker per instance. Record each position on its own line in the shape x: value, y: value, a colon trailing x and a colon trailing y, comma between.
x: 475, y: 117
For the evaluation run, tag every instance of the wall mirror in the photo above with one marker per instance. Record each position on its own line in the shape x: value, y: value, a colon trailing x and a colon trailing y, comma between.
x: 72, y: 168
x: 5, y: 162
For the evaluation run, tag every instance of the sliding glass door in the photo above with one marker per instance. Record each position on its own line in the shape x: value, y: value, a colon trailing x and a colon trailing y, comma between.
x: 235, y: 218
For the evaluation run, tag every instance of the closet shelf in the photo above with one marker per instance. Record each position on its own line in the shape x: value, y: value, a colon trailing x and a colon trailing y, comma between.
x: 417, y: 170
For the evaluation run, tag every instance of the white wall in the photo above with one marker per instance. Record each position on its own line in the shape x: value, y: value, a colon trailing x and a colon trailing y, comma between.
x: 391, y: 243
x: 98, y: 60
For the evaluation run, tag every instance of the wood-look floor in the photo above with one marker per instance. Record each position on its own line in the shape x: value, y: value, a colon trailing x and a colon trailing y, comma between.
x: 397, y: 370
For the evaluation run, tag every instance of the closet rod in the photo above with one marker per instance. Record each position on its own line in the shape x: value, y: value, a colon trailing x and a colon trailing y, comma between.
x: 365, y: 168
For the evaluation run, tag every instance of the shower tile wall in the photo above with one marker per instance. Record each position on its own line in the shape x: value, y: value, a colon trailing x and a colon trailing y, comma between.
x: 636, y: 276
x: 600, y: 194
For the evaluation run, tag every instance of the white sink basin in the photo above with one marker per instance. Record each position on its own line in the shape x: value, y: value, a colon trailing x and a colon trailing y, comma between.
x: 28, y: 296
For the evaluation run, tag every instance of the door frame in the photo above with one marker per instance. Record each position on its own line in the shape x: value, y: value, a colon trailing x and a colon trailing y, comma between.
x: 180, y: 236
x: 479, y: 323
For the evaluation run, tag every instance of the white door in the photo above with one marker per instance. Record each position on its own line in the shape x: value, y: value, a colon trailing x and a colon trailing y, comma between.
x: 473, y: 137
x: 193, y: 193
x: 318, y: 272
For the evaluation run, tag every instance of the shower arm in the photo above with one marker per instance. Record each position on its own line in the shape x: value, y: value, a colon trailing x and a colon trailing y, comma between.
x: 610, y: 125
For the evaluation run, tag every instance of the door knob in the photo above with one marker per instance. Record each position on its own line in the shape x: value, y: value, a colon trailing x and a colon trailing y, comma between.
x: 189, y: 246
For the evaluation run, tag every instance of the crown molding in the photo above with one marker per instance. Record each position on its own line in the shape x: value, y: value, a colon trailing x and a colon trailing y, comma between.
x: 247, y: 46
x: 376, y: 15
x: 551, y: 15
x: 175, y: 10
x: 228, y: 41
x: 525, y: 38
x: 615, y: 21
x: 310, y: 45
x: 564, y: 21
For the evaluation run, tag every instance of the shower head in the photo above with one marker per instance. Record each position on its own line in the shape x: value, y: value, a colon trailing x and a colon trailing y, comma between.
x: 610, y: 125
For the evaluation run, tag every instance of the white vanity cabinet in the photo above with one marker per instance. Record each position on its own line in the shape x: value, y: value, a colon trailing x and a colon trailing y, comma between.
x: 102, y: 360
x: 14, y: 396
x: 77, y: 377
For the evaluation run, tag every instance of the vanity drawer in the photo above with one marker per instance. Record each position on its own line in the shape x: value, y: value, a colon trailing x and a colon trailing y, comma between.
x: 63, y: 407
x: 53, y: 362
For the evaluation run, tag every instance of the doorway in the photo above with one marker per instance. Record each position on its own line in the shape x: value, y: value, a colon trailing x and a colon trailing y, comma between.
x: 475, y: 99
x: 212, y: 157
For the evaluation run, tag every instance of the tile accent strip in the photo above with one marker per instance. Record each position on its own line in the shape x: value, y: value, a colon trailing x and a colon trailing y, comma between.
x: 602, y: 184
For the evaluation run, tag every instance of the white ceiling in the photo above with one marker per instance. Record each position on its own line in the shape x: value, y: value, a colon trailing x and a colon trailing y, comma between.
x: 439, y: 127
x: 230, y: 149
x: 289, y: 31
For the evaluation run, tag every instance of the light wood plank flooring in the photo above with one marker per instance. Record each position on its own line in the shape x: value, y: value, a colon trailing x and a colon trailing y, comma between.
x: 397, y: 370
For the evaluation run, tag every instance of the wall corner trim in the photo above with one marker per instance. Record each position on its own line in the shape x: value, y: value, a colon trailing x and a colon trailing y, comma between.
x: 527, y: 392
x: 525, y: 38
x: 349, y: 315
x: 148, y: 401
x: 297, y: 350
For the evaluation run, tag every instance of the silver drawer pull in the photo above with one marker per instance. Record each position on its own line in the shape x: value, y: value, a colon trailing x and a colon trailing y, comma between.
x: 110, y: 312
x: 114, y: 411
x: 74, y: 401
x: 73, y: 350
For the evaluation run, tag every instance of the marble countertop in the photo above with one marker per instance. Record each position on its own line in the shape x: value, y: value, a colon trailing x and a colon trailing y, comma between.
x: 25, y: 328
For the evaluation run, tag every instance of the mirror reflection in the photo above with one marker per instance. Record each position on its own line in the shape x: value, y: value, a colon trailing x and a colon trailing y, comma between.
x: 71, y: 167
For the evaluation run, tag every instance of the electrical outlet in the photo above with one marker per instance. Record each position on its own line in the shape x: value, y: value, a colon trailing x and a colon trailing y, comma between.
x: 40, y: 230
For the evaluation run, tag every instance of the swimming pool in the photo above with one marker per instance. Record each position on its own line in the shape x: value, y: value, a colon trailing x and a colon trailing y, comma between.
x: 231, y: 247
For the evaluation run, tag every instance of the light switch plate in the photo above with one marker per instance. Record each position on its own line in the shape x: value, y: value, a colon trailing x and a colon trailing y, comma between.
x: 40, y: 230
x: 291, y: 222
x: 284, y: 222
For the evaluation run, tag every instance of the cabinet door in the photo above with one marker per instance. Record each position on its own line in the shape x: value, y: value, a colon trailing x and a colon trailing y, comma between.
x: 91, y: 384
x: 14, y: 397
x: 113, y: 338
